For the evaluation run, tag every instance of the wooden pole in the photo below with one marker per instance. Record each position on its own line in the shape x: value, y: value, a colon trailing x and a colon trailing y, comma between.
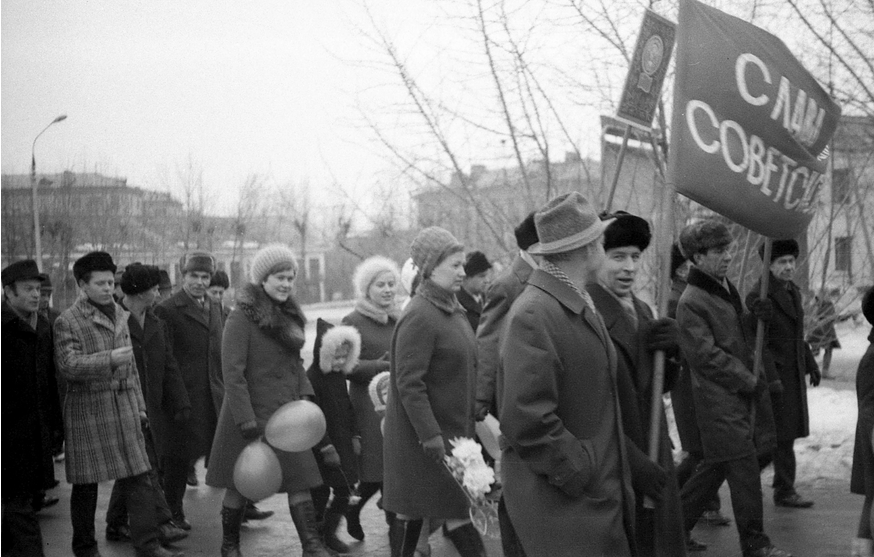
x: 760, y: 328
x: 619, y: 162
x: 743, y: 261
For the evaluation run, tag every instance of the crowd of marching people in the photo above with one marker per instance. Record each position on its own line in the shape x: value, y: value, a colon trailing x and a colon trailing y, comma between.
x: 136, y: 383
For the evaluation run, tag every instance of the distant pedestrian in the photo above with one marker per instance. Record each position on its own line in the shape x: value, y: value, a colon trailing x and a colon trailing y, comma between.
x: 104, y: 413
x: 218, y: 285
x: 793, y: 363
x: 862, y: 478
x: 30, y: 409
x: 194, y: 323
x: 477, y: 270
x: 823, y: 336
x: 376, y: 281
x: 165, y: 287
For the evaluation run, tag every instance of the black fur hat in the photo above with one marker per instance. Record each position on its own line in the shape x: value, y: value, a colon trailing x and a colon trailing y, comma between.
x: 138, y: 278
x: 700, y: 236
x: 93, y: 261
x: 779, y: 248
x: 626, y: 230
x: 526, y: 232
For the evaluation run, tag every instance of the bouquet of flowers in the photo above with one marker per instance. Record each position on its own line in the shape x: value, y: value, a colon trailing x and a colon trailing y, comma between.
x: 475, y: 478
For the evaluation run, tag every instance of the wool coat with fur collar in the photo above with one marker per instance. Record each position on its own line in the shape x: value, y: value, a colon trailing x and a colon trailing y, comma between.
x: 262, y: 370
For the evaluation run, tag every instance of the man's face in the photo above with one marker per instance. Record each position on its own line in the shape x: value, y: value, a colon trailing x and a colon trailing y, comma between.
x: 45, y: 298
x: 216, y: 293
x: 99, y: 287
x: 23, y: 295
x: 478, y: 283
x: 715, y: 261
x: 620, y: 269
x: 196, y: 283
x: 784, y: 267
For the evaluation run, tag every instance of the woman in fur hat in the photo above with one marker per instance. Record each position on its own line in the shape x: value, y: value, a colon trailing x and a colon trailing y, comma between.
x: 262, y: 370
x: 376, y: 312
x: 335, y: 355
x: 433, y: 357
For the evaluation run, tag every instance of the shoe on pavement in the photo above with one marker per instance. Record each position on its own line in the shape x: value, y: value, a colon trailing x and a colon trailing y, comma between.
x: 192, y: 479
x: 169, y: 533
x: 694, y: 546
x: 714, y: 518
x: 768, y: 551
x: 180, y: 522
x: 254, y: 513
x: 158, y: 551
x: 794, y: 501
x: 120, y: 533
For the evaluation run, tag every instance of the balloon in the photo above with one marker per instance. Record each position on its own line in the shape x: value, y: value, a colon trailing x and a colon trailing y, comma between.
x: 257, y: 473
x: 296, y: 426
x: 488, y: 431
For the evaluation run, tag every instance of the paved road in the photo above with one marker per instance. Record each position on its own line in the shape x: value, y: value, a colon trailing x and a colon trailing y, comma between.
x: 823, y: 531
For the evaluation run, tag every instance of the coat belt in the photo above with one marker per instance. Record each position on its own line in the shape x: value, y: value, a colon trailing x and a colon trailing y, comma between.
x: 98, y: 386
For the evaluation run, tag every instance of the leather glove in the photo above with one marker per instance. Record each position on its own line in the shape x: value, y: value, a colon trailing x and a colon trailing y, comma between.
x: 776, y: 387
x: 663, y: 334
x: 144, y: 420
x: 762, y: 308
x: 330, y: 456
x: 482, y: 410
x: 753, y: 392
x: 815, y: 376
x: 435, y: 448
x: 250, y: 431
x: 650, y: 479
x: 182, y: 416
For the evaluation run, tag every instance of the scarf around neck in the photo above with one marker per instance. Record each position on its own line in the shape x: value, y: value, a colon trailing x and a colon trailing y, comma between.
x: 367, y: 308
x: 441, y: 298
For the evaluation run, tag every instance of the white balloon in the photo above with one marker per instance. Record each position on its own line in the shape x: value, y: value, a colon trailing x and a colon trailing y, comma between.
x: 257, y: 472
x: 296, y: 426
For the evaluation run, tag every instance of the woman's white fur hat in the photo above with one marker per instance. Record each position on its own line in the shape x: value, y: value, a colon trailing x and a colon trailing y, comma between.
x: 367, y: 271
x: 333, y: 339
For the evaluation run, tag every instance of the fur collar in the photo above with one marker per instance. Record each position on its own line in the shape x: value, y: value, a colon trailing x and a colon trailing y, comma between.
x: 332, y: 340
x: 443, y: 299
x: 284, y: 322
x: 710, y: 285
x: 368, y: 309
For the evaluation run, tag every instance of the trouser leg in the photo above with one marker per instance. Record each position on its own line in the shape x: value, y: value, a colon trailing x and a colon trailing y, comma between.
x: 510, y: 542
x: 320, y: 497
x: 83, y: 505
x: 140, y: 502
x: 784, y: 469
x: 745, y: 486
x: 175, y: 474
x: 366, y: 490
x: 116, y: 512
x: 699, y: 490
x: 21, y: 534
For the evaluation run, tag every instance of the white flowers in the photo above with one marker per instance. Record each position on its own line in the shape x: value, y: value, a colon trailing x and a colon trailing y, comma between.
x: 475, y: 478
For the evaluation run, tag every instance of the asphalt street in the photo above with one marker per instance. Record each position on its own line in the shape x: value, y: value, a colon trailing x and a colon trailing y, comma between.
x: 823, y: 531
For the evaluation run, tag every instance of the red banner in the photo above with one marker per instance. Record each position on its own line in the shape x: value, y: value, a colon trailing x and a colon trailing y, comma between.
x: 749, y: 125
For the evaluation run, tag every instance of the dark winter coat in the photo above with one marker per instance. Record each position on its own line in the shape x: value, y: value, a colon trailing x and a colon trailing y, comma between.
x: 31, y: 411
x: 196, y: 335
x: 163, y: 388
x: 718, y: 345
x: 102, y: 429
x: 500, y: 296
x: 332, y: 396
x: 790, y: 357
x: 560, y: 418
x: 862, y: 477
x: 635, y: 374
x: 262, y: 370
x: 433, y: 354
x: 376, y: 331
x: 471, y: 306
x: 682, y: 398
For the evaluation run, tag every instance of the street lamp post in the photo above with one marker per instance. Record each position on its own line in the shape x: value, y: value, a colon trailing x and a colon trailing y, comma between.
x: 37, y: 239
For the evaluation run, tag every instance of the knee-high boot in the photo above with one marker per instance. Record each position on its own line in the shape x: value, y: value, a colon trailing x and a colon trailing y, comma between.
x: 231, y: 520
x: 331, y: 522
x: 303, y: 515
x: 466, y: 540
x: 403, y: 535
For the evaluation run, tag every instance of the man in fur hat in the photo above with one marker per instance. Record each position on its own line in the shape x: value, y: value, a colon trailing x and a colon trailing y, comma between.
x: 477, y: 269
x: 718, y: 344
x: 792, y: 361
x: 194, y: 324
x: 637, y: 334
x: 567, y: 488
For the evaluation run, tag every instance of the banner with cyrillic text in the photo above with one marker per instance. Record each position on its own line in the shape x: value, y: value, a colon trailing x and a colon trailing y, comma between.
x: 750, y: 125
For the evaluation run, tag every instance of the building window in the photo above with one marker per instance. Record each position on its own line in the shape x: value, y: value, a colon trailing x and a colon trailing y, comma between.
x: 844, y: 254
x: 841, y: 181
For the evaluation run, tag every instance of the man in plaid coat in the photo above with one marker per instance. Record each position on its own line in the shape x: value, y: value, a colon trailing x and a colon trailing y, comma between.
x: 104, y: 411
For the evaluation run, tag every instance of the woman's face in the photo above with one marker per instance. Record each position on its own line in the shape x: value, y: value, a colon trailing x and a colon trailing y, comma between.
x: 383, y: 289
x: 279, y: 285
x: 449, y: 274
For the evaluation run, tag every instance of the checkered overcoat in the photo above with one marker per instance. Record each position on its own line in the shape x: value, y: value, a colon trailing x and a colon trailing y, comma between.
x: 101, y: 410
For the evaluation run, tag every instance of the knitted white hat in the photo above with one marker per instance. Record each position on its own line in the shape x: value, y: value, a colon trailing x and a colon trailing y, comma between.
x: 268, y: 258
x: 368, y: 270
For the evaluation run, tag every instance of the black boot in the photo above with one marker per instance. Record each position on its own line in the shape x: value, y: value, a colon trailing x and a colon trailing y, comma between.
x: 231, y: 520
x: 304, y: 517
x: 403, y: 535
x: 329, y: 532
x: 353, y: 522
x: 466, y: 540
